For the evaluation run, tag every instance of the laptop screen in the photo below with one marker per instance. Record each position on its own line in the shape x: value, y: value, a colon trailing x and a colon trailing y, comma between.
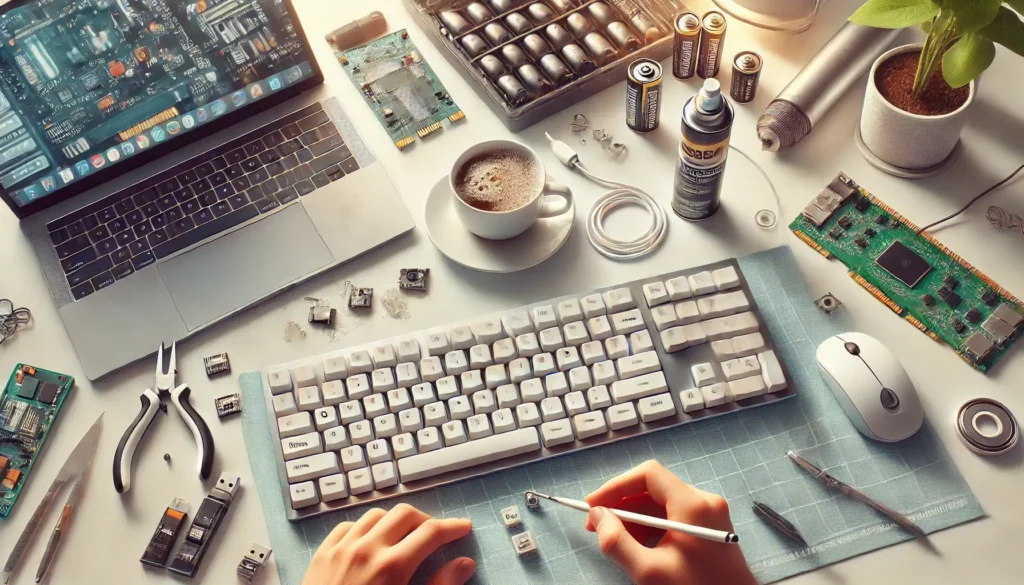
x: 88, y: 84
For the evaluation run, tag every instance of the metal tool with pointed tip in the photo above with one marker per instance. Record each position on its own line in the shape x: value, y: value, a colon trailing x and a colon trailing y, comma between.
x: 151, y: 403
x: 76, y: 464
x: 659, y: 523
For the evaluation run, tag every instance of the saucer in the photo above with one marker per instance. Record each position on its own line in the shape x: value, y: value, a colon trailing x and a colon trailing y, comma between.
x: 528, y: 249
x: 901, y: 172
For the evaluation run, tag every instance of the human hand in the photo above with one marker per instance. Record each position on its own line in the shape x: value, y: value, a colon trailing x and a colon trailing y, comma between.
x: 386, y: 548
x: 677, y: 558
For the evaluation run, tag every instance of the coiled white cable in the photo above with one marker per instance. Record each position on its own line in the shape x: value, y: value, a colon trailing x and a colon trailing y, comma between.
x: 621, y: 194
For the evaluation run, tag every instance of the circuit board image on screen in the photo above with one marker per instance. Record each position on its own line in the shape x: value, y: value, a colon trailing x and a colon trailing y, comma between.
x: 88, y: 83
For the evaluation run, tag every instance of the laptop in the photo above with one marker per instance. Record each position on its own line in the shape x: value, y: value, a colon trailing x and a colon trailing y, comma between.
x: 173, y: 163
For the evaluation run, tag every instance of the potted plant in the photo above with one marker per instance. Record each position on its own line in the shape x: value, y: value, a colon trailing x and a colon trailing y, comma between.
x: 917, y: 95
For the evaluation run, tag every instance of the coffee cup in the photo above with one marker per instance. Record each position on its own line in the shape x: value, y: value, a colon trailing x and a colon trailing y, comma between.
x: 522, y: 204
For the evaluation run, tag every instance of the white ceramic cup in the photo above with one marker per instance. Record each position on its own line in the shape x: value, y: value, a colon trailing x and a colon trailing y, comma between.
x: 503, y: 225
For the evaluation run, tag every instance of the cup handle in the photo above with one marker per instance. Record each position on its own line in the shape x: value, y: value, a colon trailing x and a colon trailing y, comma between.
x: 559, y: 190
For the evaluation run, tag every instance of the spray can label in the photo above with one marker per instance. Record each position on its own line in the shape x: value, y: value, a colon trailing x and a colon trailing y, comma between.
x: 699, y: 175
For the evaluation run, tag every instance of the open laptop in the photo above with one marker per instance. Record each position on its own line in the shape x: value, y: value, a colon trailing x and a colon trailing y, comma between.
x: 175, y: 162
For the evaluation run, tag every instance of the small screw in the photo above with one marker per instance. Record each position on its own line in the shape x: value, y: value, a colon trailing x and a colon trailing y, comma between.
x: 167, y: 456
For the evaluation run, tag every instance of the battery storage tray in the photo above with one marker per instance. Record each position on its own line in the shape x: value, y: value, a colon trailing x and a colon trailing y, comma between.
x: 538, y: 107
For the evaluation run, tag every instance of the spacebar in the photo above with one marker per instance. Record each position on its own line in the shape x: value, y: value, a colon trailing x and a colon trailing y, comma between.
x: 206, y: 230
x: 468, y: 454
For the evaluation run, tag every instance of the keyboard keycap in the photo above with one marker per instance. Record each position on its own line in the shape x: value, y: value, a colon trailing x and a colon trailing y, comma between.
x: 691, y: 400
x: 771, y: 371
x: 469, y: 454
x: 301, y: 446
x: 83, y: 290
x: 639, y: 387
x: 312, y: 467
x: 556, y: 433
x: 90, y: 271
x: 206, y: 230
x: 333, y: 487
x: 725, y: 278
x: 589, y: 425
x: 292, y: 425
x: 621, y: 416
x: 638, y: 365
x: 701, y: 283
x: 303, y: 495
x: 79, y: 259
x: 656, y: 407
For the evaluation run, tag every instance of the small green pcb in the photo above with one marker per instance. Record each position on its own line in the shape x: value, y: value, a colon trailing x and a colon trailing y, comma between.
x: 400, y: 87
x: 917, y: 277
x: 29, y: 406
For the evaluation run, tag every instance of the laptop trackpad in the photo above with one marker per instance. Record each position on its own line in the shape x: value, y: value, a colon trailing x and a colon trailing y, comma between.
x: 243, y: 266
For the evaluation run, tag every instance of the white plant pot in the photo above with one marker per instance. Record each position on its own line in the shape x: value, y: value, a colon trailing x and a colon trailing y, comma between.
x: 905, y: 140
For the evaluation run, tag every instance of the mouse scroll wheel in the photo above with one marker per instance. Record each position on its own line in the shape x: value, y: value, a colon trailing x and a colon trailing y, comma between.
x: 890, y: 401
x: 852, y: 347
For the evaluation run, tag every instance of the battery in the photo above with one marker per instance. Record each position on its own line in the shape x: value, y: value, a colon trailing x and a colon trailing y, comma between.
x: 684, y: 52
x: 746, y: 72
x: 643, y: 95
x: 712, y: 37
x: 706, y: 127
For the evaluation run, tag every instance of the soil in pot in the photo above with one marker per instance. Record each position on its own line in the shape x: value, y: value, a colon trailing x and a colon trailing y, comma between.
x: 895, y: 81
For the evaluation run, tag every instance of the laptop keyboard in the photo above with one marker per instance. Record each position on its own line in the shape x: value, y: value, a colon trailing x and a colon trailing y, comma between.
x: 199, y: 198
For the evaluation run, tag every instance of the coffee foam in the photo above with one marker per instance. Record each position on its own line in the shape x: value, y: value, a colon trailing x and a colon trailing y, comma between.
x: 499, y: 180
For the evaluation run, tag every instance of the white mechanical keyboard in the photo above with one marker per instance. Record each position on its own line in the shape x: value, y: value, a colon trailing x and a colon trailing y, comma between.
x: 448, y: 403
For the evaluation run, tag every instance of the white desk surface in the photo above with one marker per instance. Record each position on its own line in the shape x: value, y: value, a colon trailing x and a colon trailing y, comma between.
x: 109, y: 532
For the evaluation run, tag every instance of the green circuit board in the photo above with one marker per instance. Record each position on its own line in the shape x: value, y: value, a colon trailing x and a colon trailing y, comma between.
x: 917, y: 277
x: 400, y: 87
x: 29, y: 406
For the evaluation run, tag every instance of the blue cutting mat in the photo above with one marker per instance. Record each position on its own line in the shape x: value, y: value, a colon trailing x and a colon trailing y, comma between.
x: 741, y: 456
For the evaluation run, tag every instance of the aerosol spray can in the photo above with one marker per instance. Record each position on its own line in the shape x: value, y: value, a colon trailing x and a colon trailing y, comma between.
x: 707, y: 124
x: 643, y: 95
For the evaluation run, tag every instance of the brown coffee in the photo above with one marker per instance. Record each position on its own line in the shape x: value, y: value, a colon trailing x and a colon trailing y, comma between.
x: 499, y: 180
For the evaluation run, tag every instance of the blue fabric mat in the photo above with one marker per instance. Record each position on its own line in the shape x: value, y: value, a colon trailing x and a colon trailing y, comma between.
x: 741, y: 456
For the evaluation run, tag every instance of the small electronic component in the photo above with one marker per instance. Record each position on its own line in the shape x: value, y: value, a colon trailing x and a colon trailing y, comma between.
x: 845, y: 223
x: 361, y: 298
x: 204, y: 526
x: 91, y: 81
x: 228, y: 405
x: 950, y: 282
x: 29, y: 385
x: 48, y: 392
x: 861, y: 243
x: 999, y: 330
x: 870, y: 233
x: 11, y: 478
x: 952, y: 299
x: 1011, y: 317
x: 828, y: 303
x: 928, y: 300
x: 3, y: 463
x: 829, y: 200
x: 524, y: 544
x: 973, y: 315
x: 532, y: 501
x: 863, y: 204
x: 990, y: 298
x: 882, y: 219
x: 836, y: 233
x: 958, y: 325
x: 413, y: 279
x: 511, y: 517
x: 30, y: 426
x: 252, y: 562
x: 159, y: 548
x: 217, y: 364
x: 904, y: 264
x: 321, y: 315
x: 12, y: 414
x: 977, y: 347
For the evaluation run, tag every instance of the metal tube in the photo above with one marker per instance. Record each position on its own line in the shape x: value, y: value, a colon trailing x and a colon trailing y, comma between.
x: 818, y: 86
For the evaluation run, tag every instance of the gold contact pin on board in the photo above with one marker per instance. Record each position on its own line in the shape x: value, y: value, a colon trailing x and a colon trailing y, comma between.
x: 457, y: 116
x: 404, y: 142
x: 428, y: 130
x: 881, y: 296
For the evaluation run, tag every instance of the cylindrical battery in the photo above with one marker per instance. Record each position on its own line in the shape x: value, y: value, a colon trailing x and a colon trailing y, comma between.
x: 536, y: 46
x: 518, y: 23
x: 623, y: 36
x: 534, y: 80
x: 513, y: 90
x: 502, y: 6
x: 492, y: 67
x: 600, y: 48
x: 555, y: 69
x: 707, y: 125
x: 643, y: 95
x: 497, y: 34
x: 558, y: 36
x: 563, y: 6
x: 579, y: 25
x: 474, y: 45
x: 685, y: 45
x: 644, y: 24
x: 514, y: 56
x: 455, y: 22
x: 479, y: 13
x: 540, y: 13
x: 578, y: 60
x: 712, y: 37
x: 746, y: 72
x: 603, y: 14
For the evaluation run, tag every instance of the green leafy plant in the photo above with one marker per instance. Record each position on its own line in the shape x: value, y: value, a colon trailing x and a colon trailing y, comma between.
x: 961, y: 33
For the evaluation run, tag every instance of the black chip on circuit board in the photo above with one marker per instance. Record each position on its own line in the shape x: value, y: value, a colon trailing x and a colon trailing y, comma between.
x: 903, y: 263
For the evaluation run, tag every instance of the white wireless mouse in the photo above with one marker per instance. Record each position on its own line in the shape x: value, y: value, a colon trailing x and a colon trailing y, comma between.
x: 871, y: 386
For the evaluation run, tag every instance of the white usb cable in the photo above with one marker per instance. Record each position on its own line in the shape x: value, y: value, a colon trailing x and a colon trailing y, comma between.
x: 621, y: 194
